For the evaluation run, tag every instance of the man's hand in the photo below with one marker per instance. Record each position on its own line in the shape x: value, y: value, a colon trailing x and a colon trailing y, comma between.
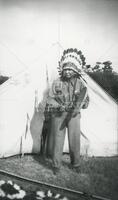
x: 62, y: 108
x: 75, y: 112
x: 69, y: 108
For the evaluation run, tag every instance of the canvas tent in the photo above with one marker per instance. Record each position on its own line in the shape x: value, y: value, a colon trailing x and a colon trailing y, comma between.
x: 21, y: 124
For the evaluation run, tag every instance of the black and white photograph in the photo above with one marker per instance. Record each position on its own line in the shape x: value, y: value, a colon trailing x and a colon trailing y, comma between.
x: 59, y: 99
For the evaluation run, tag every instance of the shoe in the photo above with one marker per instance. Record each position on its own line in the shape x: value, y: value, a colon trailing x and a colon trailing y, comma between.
x: 56, y: 171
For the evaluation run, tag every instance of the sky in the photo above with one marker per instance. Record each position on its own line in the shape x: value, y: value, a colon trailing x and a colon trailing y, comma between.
x: 30, y: 28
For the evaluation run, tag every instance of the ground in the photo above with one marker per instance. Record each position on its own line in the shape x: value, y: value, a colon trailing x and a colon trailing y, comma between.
x: 98, y: 176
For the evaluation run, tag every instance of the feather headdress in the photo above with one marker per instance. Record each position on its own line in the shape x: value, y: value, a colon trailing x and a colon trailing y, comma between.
x: 74, y: 58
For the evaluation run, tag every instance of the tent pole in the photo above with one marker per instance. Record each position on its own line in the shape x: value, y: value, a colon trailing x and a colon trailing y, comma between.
x: 117, y: 130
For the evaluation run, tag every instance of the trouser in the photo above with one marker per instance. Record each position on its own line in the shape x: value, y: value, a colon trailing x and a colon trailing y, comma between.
x: 56, y: 136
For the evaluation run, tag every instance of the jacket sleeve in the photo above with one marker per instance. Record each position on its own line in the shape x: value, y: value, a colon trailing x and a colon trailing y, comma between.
x: 82, y: 98
x: 79, y: 98
x: 86, y: 100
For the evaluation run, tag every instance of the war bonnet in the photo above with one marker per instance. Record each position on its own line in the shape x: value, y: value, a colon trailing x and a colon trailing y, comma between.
x: 71, y: 59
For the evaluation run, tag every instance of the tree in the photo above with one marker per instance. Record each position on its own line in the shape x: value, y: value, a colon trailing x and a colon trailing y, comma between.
x: 107, y: 66
x: 103, y: 74
x: 87, y: 68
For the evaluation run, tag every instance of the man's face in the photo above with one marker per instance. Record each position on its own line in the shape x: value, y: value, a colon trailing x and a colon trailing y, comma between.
x: 68, y: 73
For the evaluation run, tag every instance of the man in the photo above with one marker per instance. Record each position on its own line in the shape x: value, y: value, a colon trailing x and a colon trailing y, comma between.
x: 66, y: 98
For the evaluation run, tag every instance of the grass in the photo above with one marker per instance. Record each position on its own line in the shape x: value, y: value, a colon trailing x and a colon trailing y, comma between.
x: 98, y: 176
